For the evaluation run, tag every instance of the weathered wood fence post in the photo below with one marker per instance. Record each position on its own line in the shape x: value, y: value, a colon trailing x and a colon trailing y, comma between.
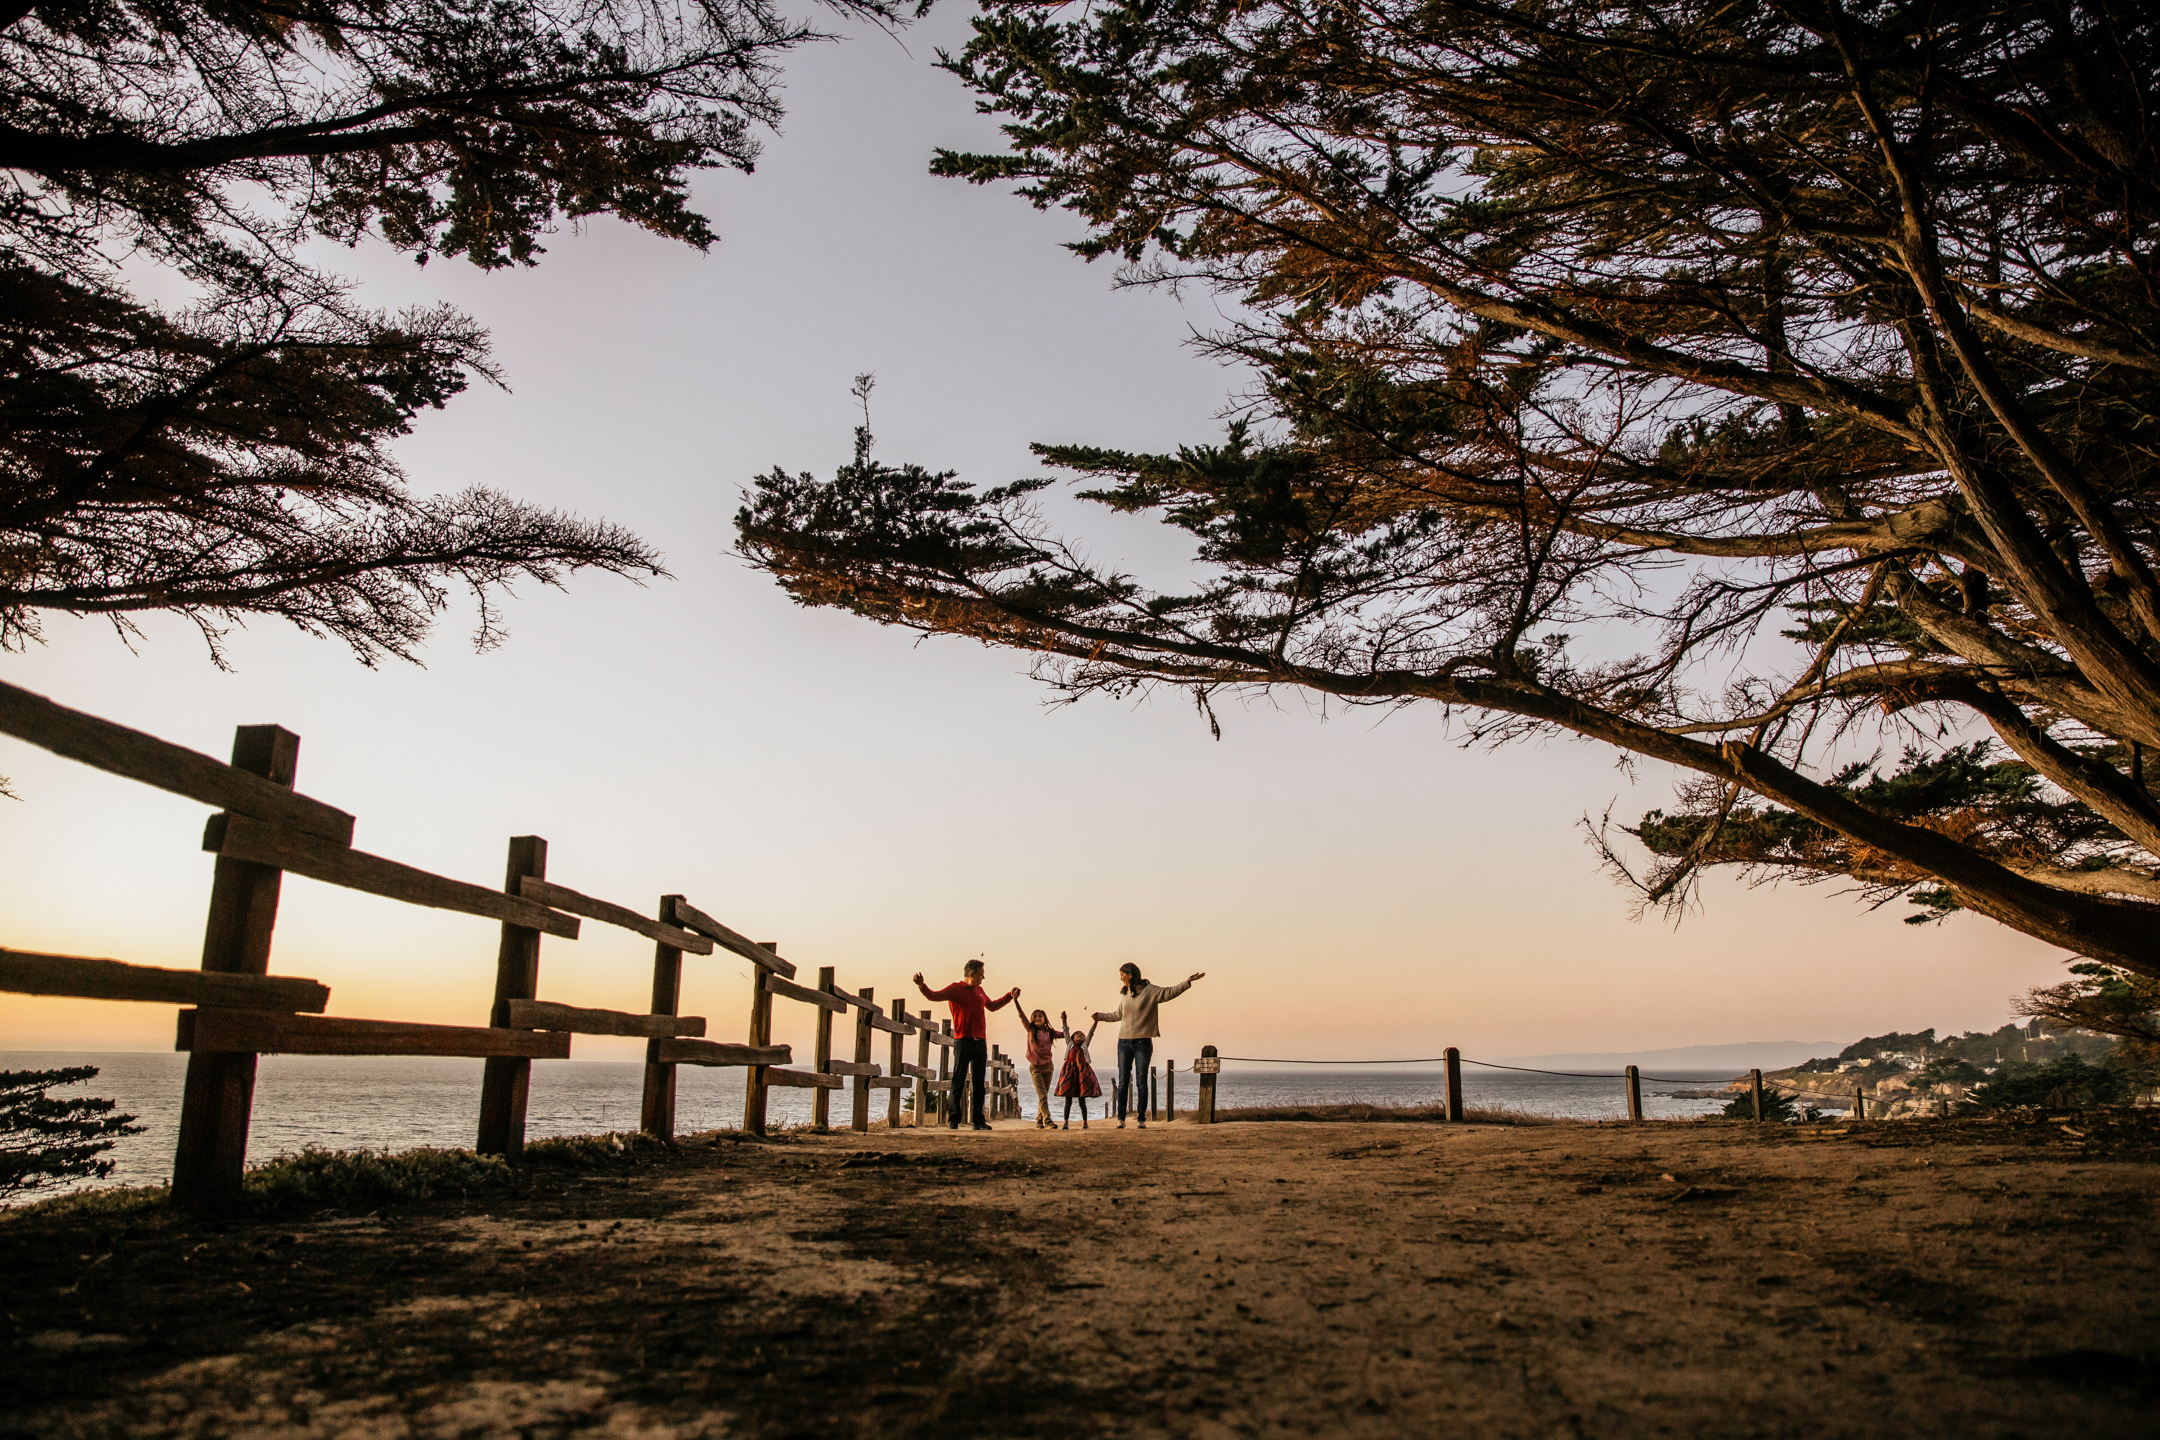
x: 754, y: 1086
x: 994, y: 1109
x: 1755, y: 1085
x: 1859, y: 1102
x: 656, y: 1109
x: 1208, y: 1067
x: 1634, y: 1092
x: 1454, y: 1085
x: 219, y: 1094
x: 923, y: 1063
x: 1169, y: 1091
x: 1154, y: 1093
x: 945, y: 1073
x: 861, y: 1121
x: 821, y: 1098
x: 506, y: 1080
x: 896, y: 1055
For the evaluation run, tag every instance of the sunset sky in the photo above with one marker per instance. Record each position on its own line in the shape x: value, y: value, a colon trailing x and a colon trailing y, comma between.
x: 1353, y: 884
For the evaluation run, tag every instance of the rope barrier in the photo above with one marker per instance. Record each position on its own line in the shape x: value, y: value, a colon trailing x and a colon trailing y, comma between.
x: 1466, y: 1060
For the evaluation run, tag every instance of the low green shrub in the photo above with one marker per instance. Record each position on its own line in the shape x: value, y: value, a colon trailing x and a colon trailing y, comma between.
x: 1782, y: 1108
x: 2065, y: 1084
x: 106, y: 1203
x: 594, y: 1152
x: 363, y: 1180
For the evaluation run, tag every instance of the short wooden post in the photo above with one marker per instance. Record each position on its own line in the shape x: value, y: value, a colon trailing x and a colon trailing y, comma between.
x: 1208, y: 1067
x: 1154, y: 1092
x: 922, y: 1062
x: 656, y: 1111
x: 1755, y: 1085
x: 506, y: 1079
x: 861, y: 1122
x: 754, y: 1087
x: 897, y: 1053
x: 990, y: 1083
x: 821, y: 1099
x: 219, y: 1096
x: 1454, y: 1085
x: 945, y: 1073
x: 1634, y: 1092
x: 1859, y: 1102
x: 1169, y: 1091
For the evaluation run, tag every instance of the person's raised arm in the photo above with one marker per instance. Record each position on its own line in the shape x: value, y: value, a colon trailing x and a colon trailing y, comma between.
x: 1181, y: 987
x: 930, y: 994
x: 1003, y: 1000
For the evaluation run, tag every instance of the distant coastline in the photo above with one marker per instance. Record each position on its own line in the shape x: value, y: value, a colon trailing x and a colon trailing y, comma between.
x: 1755, y: 1054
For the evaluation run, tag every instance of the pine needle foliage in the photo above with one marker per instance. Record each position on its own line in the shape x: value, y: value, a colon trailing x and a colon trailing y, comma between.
x: 227, y: 453
x: 1751, y: 389
x: 46, y: 1140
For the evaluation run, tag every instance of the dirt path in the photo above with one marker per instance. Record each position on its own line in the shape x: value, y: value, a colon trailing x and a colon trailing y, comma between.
x: 1913, y: 1279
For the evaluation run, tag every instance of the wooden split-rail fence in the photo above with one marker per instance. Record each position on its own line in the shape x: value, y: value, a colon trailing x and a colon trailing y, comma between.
x: 264, y: 830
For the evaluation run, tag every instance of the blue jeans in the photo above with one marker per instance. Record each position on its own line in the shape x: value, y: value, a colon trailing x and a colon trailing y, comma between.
x: 1134, y: 1056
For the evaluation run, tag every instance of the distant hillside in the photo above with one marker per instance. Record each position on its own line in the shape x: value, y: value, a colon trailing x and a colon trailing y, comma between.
x: 1754, y: 1054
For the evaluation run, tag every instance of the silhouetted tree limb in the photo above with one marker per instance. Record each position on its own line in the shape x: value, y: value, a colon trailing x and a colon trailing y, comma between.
x: 229, y: 456
x: 1799, y: 358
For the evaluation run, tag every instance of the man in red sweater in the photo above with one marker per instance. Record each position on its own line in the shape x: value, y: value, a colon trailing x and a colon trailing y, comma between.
x: 971, y: 1008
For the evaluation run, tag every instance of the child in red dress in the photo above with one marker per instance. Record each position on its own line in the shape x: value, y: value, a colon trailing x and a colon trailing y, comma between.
x: 1077, y: 1080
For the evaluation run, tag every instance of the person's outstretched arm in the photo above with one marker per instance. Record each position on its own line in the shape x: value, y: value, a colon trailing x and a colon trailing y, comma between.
x: 929, y: 994
x: 1172, y: 992
x: 1101, y: 1016
x: 1003, y: 1000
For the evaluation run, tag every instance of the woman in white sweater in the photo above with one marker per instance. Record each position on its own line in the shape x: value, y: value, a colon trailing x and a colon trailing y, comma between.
x: 1137, y: 1029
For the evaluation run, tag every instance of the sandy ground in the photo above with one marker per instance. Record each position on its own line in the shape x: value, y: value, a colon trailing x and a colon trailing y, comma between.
x: 1915, y: 1279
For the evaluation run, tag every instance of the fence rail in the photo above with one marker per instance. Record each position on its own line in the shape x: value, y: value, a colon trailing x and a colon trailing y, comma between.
x: 264, y: 830
x: 81, y: 978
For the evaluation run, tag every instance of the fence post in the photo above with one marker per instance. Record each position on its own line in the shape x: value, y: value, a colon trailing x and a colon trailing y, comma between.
x: 821, y: 1098
x: 1169, y: 1091
x: 1634, y: 1092
x: 656, y: 1112
x: 861, y: 1122
x: 1153, y: 1091
x: 1206, y: 1115
x: 506, y: 1079
x: 990, y: 1083
x: 754, y: 1087
x: 1755, y: 1084
x: 922, y: 1062
x: 1454, y: 1085
x: 1859, y: 1102
x: 945, y: 1073
x: 219, y: 1094
x: 898, y: 1051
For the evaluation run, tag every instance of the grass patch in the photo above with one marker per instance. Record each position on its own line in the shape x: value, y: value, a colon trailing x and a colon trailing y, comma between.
x: 594, y: 1152
x: 111, y: 1201
x: 1360, y: 1113
x: 364, y: 1180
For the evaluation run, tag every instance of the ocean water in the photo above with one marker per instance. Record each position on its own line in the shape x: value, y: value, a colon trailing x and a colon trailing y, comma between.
x: 346, y: 1103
